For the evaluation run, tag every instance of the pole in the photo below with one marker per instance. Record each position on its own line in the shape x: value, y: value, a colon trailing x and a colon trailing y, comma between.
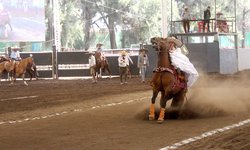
x: 56, y: 19
x: 235, y: 29
x: 171, y: 17
x: 164, y: 18
x: 57, y: 37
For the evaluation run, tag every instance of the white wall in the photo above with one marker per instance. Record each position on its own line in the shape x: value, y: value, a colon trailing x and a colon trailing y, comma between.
x: 244, y: 59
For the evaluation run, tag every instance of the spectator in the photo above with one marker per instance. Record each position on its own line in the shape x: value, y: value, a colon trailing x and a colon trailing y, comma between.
x: 207, y: 15
x: 92, y: 66
x: 186, y: 19
x: 142, y: 63
x: 129, y: 70
x: 123, y: 62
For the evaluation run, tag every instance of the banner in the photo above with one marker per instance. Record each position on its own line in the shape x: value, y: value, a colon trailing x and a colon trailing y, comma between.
x: 22, y: 21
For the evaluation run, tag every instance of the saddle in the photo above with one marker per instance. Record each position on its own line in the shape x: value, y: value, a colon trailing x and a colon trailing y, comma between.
x: 180, y: 78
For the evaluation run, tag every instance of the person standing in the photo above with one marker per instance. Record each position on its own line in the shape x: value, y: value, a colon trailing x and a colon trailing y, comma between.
x: 123, y: 63
x: 186, y: 19
x: 142, y: 63
x: 92, y: 66
x: 207, y: 15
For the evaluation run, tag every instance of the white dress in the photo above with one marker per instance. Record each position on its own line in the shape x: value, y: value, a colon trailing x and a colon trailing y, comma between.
x: 182, y: 62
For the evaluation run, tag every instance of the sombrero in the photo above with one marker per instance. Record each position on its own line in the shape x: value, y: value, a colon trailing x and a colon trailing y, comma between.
x: 123, y: 53
x: 219, y: 13
x: 177, y: 42
x: 99, y: 44
x: 143, y: 49
x: 90, y: 52
x: 16, y: 48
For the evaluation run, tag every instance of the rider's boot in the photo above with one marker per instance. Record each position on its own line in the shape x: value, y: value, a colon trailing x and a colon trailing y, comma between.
x: 161, y: 115
x: 151, y: 115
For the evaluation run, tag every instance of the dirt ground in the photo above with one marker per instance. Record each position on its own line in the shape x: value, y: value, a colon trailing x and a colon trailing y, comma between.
x: 76, y: 114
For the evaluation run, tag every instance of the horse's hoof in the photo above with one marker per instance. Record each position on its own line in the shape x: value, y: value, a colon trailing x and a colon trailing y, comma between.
x: 151, y: 118
x: 160, y: 121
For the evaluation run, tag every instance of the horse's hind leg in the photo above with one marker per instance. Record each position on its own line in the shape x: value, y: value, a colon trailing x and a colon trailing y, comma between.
x: 151, y: 115
x: 30, y: 73
x: 108, y: 71
x: 177, y: 104
x: 34, y: 71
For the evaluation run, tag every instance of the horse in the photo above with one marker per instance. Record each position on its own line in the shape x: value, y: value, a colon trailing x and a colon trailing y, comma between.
x: 101, y: 64
x: 31, y: 68
x: 6, y: 66
x: 3, y: 58
x: 165, y: 79
x: 21, y: 68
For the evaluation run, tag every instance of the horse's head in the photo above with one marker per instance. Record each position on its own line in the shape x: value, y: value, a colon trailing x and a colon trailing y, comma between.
x: 2, y: 59
x: 165, y: 44
x: 159, y: 44
x: 28, y: 61
x: 98, y: 56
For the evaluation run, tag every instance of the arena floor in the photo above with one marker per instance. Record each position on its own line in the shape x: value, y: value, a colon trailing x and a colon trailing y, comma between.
x: 79, y: 115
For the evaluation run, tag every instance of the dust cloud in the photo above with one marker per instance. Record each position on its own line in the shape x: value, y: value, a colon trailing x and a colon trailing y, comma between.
x: 216, y: 95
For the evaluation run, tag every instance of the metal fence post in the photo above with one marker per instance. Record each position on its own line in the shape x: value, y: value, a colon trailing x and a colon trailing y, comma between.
x: 54, y: 63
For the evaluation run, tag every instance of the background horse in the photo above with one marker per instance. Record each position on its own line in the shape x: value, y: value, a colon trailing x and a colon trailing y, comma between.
x: 101, y: 64
x: 21, y: 68
x: 3, y: 58
x: 166, y: 81
x: 6, y: 66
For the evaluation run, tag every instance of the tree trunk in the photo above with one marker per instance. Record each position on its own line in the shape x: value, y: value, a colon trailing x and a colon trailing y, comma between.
x: 112, y: 32
x: 87, y: 25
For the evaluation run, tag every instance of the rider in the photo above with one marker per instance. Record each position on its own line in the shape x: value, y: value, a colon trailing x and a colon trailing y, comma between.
x: 181, y: 61
x: 99, y: 49
x: 15, y: 54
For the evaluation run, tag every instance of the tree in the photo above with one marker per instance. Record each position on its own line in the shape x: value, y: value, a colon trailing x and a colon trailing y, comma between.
x: 88, y: 13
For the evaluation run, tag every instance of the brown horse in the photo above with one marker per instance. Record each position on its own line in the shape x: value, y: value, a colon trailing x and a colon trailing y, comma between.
x: 3, y: 58
x: 166, y: 80
x: 101, y: 64
x: 31, y: 68
x: 6, y: 66
x: 21, y: 67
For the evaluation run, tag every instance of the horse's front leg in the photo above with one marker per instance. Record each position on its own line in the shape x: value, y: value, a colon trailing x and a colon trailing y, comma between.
x: 23, y: 75
x: 1, y: 75
x: 12, y: 77
x: 151, y: 115
x: 164, y: 99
